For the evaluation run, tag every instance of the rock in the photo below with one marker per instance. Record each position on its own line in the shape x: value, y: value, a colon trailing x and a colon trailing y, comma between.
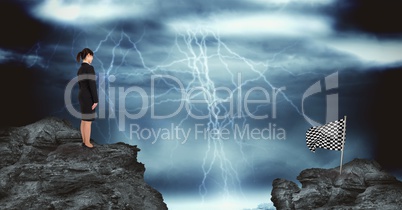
x: 362, y: 185
x: 44, y: 166
x: 282, y: 194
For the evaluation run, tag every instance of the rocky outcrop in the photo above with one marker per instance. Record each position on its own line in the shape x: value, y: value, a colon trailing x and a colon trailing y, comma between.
x: 362, y: 185
x: 44, y: 166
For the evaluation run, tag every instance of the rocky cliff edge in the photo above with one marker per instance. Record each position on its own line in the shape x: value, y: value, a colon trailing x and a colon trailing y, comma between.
x: 44, y: 166
x: 362, y: 185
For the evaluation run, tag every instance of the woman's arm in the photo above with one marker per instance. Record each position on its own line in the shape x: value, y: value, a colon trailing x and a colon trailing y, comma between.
x: 92, y: 86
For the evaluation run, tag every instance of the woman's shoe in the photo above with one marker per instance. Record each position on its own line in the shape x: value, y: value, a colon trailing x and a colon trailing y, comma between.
x: 85, y: 146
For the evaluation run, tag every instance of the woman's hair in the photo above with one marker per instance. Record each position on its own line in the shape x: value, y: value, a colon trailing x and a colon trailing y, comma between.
x: 81, y: 55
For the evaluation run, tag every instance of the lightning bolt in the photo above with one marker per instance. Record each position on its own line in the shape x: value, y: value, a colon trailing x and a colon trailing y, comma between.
x: 32, y: 57
x: 196, y: 52
x: 192, y: 49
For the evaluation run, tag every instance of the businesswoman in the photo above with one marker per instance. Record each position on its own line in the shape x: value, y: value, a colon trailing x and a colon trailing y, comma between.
x: 87, y: 95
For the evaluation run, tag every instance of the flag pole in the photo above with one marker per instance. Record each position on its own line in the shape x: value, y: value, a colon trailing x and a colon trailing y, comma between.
x: 343, y: 145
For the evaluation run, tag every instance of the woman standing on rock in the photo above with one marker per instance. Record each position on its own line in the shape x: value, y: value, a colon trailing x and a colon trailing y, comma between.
x: 87, y: 95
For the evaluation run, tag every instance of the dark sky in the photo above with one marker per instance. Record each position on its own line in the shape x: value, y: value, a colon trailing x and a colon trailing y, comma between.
x: 201, y: 58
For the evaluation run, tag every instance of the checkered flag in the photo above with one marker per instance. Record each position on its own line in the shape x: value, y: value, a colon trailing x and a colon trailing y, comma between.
x: 329, y: 136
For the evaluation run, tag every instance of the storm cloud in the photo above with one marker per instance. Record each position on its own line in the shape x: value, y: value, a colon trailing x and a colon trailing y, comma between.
x: 202, y: 58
